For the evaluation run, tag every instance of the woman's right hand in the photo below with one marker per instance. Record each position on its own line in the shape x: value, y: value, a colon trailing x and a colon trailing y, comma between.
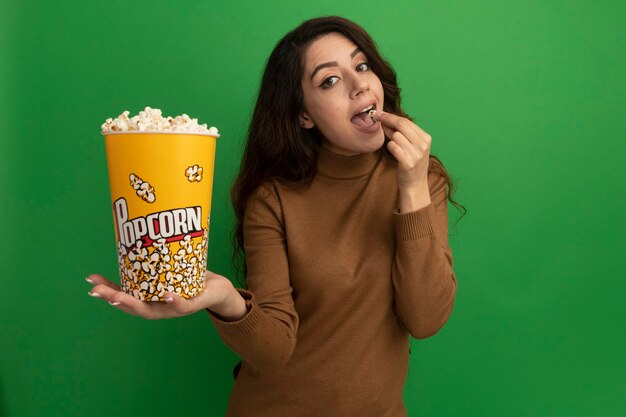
x: 218, y: 295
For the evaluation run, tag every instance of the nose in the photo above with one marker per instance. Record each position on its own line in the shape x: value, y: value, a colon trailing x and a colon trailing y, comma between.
x: 359, y: 85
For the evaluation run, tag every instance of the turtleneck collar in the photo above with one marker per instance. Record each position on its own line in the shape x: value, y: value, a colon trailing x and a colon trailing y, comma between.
x: 338, y: 166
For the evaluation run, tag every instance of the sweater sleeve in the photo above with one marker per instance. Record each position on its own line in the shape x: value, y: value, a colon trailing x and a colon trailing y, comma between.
x: 423, y: 279
x: 266, y: 336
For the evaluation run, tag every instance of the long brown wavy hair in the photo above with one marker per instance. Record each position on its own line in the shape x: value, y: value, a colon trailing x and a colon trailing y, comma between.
x: 277, y: 147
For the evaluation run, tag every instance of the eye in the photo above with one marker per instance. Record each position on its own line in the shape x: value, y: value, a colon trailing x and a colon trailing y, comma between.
x: 328, y: 82
x: 363, y: 66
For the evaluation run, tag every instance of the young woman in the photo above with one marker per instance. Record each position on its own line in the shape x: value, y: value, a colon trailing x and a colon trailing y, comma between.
x: 342, y: 222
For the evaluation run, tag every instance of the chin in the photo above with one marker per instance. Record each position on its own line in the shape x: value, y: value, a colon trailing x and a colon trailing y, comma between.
x: 357, y: 145
x: 376, y: 143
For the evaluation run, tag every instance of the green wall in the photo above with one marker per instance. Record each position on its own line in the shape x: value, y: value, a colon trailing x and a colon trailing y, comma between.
x: 525, y: 104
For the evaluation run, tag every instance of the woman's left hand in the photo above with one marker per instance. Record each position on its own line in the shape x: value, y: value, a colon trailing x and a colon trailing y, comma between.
x: 410, y: 145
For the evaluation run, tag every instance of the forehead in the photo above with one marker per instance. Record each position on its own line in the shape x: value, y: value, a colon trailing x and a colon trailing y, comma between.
x: 329, y: 47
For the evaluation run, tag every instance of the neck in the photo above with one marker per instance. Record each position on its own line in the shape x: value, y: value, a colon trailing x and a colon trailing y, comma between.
x: 334, y: 165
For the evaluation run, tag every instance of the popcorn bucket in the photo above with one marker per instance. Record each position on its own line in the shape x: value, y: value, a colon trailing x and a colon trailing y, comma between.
x: 161, y: 185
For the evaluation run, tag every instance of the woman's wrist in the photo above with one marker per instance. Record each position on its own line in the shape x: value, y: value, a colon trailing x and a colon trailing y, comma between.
x: 233, y: 308
x: 414, y: 198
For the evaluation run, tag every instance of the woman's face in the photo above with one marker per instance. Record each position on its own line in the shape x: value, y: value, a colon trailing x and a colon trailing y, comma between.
x: 338, y: 84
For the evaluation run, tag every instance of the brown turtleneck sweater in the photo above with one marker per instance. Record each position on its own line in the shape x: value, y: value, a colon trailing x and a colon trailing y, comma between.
x: 337, y: 280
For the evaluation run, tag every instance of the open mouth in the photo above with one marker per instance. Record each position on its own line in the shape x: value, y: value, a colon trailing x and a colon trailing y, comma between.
x: 364, y: 117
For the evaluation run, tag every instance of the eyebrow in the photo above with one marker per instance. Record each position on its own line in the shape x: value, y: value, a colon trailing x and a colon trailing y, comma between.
x: 332, y: 63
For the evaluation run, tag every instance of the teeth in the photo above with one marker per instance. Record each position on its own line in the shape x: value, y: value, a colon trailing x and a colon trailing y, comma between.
x: 367, y: 109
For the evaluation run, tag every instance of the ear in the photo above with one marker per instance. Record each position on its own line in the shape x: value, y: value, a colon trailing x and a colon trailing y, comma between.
x: 305, y: 121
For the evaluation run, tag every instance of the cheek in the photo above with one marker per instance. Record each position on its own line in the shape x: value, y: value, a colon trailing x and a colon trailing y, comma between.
x: 329, y: 111
x: 379, y: 89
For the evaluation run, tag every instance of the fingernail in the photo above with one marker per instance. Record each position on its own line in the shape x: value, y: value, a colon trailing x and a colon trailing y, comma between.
x: 89, y: 280
x: 169, y: 299
x: 116, y: 303
x: 94, y: 294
